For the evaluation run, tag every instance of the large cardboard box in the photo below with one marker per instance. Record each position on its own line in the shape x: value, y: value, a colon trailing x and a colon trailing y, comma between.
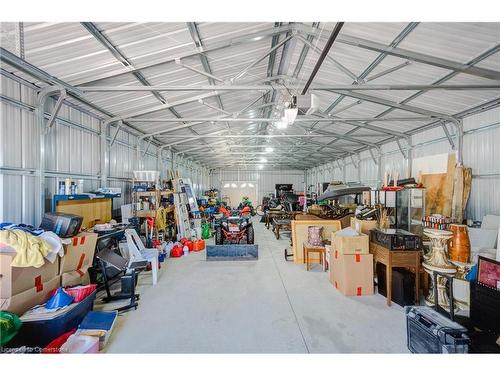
x: 351, y: 245
x: 22, y: 302
x: 79, y: 254
x: 352, y: 274
x: 366, y: 225
x: 75, y: 278
x: 14, y: 280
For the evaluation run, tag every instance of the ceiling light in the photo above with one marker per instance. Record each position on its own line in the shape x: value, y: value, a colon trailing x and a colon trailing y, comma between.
x: 269, y: 149
x: 226, y: 185
x: 290, y: 115
x: 263, y: 160
x: 250, y: 185
x: 282, y: 124
x: 244, y: 185
x: 260, y: 166
x: 233, y: 185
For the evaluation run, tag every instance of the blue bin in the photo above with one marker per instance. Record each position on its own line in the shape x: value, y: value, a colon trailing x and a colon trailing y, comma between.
x: 40, y: 333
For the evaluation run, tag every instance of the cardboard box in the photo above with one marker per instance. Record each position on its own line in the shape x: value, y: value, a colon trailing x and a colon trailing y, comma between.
x: 22, y: 302
x: 14, y: 280
x: 328, y: 251
x: 79, y: 254
x: 75, y: 278
x: 352, y: 274
x: 366, y: 225
x: 351, y: 245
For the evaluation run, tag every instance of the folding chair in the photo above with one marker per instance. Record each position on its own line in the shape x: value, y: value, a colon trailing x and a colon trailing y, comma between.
x: 138, y: 252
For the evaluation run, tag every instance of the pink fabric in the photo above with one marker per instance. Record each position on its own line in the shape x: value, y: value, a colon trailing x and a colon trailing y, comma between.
x: 314, y: 236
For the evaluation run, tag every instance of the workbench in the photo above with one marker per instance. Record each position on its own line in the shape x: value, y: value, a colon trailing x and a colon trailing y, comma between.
x: 94, y: 208
x: 397, y: 258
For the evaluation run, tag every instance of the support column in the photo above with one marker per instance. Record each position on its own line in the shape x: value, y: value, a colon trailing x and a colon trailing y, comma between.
x: 42, y: 98
x: 460, y: 141
x: 379, y: 168
x: 409, y: 157
x: 105, y: 148
x: 344, y: 172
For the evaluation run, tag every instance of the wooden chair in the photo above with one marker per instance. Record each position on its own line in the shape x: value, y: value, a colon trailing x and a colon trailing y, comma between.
x: 321, y: 250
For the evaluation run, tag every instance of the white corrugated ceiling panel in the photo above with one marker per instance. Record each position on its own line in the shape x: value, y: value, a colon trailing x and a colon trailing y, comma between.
x: 456, y: 41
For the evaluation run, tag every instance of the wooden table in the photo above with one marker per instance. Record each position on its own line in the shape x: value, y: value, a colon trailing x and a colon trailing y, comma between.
x: 397, y: 258
x: 281, y: 224
x: 270, y: 215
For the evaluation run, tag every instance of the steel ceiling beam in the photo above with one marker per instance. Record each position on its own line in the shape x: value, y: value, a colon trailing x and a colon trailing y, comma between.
x: 118, y: 55
x: 393, y: 104
x: 248, y: 87
x: 338, y: 136
x: 491, y: 51
x: 337, y: 64
x: 399, y: 38
x: 299, y: 119
x: 387, y: 71
x: 270, y: 95
x: 201, y: 72
x: 253, y: 136
x: 195, y: 35
x: 304, y: 52
x: 419, y: 57
x: 259, y: 59
x: 250, y: 38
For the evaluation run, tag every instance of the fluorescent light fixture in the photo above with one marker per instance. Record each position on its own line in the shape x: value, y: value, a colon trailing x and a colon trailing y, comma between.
x: 263, y: 160
x: 260, y: 166
x: 269, y: 149
x: 250, y: 185
x: 226, y: 185
x: 290, y: 115
x: 282, y: 124
x: 233, y: 185
x: 244, y: 185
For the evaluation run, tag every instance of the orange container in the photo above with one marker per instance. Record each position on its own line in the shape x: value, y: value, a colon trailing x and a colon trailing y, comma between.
x: 459, y: 244
x: 199, y: 245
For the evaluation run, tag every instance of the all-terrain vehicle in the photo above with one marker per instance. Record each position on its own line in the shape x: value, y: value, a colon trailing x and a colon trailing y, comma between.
x: 245, y: 202
x: 234, y: 227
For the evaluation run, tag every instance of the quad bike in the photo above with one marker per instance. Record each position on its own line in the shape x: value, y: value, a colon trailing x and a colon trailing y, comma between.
x: 234, y: 227
x: 247, y: 203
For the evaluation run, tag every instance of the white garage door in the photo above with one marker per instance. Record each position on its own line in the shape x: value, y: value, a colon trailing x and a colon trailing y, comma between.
x: 235, y: 191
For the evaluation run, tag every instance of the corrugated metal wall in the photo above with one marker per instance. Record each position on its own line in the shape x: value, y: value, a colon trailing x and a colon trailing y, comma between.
x: 265, y: 180
x: 481, y: 153
x: 72, y: 150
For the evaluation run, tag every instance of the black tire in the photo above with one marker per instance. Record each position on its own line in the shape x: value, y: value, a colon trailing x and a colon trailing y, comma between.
x: 219, y: 239
x: 250, y: 235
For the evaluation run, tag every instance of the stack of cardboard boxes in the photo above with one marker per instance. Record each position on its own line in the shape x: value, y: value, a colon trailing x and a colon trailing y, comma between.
x: 78, y: 258
x: 351, y: 270
x: 21, y: 288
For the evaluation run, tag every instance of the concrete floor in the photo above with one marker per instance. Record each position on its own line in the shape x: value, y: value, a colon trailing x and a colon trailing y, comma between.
x: 264, y: 306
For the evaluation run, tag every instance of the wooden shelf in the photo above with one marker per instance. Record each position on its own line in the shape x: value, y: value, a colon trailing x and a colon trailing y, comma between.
x: 145, y: 193
x: 144, y: 213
